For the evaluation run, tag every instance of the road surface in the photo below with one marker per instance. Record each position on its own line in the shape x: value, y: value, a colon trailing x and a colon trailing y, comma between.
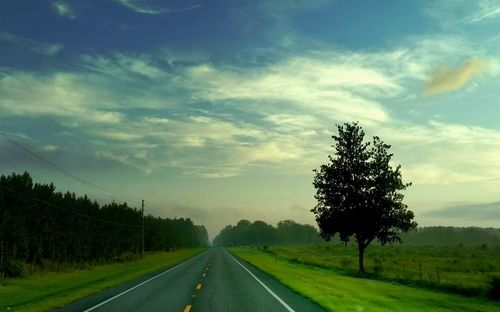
x: 212, y: 281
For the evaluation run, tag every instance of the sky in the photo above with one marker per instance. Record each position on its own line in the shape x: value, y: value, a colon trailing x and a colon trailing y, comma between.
x: 220, y: 110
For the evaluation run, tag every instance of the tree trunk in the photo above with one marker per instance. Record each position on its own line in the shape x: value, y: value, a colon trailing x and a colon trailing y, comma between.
x: 361, y: 256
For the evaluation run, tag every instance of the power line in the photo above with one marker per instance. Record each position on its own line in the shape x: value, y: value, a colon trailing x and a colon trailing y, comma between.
x: 54, y: 167
x: 57, y: 168
x: 66, y: 209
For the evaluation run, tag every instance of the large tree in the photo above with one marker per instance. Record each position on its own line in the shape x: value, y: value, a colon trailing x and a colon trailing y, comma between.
x: 358, y: 192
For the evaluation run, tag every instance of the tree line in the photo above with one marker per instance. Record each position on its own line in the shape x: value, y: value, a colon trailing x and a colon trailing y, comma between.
x: 452, y: 236
x: 258, y: 233
x: 39, y: 224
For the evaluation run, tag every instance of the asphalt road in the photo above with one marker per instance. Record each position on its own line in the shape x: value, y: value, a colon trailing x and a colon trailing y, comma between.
x: 211, y: 281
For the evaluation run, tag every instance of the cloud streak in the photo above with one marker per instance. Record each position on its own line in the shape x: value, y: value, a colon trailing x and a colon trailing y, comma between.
x: 143, y: 8
x: 469, y: 211
x: 488, y: 10
x: 49, y: 49
x: 447, y: 80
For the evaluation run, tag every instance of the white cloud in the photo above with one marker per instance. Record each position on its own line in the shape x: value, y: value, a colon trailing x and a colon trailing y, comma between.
x: 308, y: 82
x: 436, y: 174
x: 63, y: 9
x: 62, y: 94
x: 119, y: 136
x: 440, y: 153
x: 293, y: 122
x: 156, y: 120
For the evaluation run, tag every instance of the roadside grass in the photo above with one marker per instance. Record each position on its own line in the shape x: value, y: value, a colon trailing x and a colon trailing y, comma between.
x: 339, y: 292
x: 466, y: 270
x: 51, y: 290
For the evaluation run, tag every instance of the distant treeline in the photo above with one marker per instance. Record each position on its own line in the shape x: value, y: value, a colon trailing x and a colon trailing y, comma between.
x: 449, y: 235
x: 289, y: 232
x: 39, y: 224
x: 257, y: 233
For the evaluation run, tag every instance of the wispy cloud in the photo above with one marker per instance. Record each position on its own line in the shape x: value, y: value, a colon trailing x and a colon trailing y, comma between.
x: 49, y: 49
x: 324, y: 84
x: 447, y: 80
x: 63, y: 9
x: 61, y: 94
x: 329, y: 82
x: 487, y: 10
x: 121, y: 66
x: 144, y: 8
x: 468, y: 211
x: 213, y: 120
x: 275, y: 15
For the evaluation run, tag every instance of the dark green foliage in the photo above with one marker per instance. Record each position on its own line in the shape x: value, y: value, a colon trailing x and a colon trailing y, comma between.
x: 12, y: 268
x: 39, y: 225
x: 377, y: 265
x: 495, y: 288
x: 359, y: 193
x: 259, y: 233
x: 448, y: 235
x: 290, y: 232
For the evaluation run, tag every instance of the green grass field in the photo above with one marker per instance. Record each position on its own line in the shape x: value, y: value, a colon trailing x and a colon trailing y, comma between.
x: 460, y: 269
x: 340, y: 292
x: 47, y: 291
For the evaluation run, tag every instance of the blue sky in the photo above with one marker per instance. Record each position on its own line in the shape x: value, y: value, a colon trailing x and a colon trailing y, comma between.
x: 219, y: 110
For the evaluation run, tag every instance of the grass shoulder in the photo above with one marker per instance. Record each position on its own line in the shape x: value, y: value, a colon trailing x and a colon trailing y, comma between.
x: 50, y: 290
x: 340, y: 292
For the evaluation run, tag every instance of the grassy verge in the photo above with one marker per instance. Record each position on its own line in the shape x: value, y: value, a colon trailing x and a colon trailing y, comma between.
x: 336, y: 292
x: 460, y: 269
x: 47, y: 291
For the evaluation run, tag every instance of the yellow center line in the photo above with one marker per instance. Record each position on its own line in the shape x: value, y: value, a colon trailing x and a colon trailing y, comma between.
x: 187, y: 308
x: 198, y: 286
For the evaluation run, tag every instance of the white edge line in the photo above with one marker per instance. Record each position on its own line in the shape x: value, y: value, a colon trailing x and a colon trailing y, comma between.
x: 146, y: 281
x: 263, y: 285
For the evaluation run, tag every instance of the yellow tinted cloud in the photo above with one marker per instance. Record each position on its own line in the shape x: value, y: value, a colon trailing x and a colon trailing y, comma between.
x: 447, y: 80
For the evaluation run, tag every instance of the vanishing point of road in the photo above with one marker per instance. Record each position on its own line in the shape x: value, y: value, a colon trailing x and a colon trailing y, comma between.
x: 211, y: 281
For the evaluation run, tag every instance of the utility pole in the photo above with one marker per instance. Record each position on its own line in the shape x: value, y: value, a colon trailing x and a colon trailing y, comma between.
x: 142, y: 213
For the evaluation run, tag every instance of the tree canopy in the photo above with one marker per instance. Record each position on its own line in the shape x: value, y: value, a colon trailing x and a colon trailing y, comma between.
x: 358, y: 192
